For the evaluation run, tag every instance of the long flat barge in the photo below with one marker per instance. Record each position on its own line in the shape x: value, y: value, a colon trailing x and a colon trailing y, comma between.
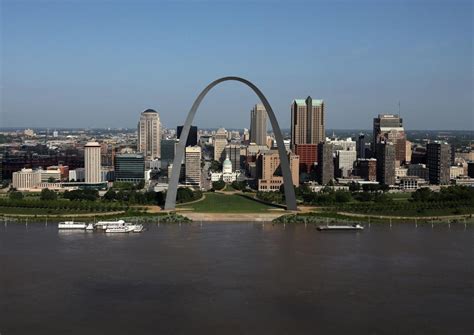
x: 340, y: 227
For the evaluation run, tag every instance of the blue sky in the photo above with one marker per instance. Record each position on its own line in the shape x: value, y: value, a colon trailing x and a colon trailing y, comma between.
x: 100, y: 63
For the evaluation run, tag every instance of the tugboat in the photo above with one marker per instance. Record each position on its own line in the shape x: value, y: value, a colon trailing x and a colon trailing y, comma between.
x: 137, y: 228
x: 340, y: 227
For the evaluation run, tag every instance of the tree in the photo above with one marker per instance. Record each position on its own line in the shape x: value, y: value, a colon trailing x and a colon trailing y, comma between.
x: 215, y: 166
x: 184, y: 194
x: 90, y: 195
x: 48, y: 195
x: 51, y: 180
x: 342, y: 196
x: 110, y: 195
x: 239, y: 185
x: 140, y: 185
x: 354, y: 187
x: 15, y: 195
x: 218, y: 185
x: 422, y: 195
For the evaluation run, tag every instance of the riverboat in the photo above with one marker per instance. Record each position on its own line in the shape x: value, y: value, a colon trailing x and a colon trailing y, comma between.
x: 71, y: 225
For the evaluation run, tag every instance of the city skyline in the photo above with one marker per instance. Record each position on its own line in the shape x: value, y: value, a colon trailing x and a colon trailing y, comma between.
x: 357, y: 71
x: 262, y: 166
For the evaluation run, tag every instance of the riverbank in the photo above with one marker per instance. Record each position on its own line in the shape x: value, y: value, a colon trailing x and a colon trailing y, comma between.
x: 163, y: 217
x: 232, y: 217
x: 333, y: 217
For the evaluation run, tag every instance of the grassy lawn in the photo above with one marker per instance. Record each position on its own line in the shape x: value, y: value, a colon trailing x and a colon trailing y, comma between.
x: 228, y: 187
x: 221, y: 203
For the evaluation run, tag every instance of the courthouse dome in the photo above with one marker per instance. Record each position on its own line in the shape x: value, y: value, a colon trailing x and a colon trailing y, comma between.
x: 227, y: 165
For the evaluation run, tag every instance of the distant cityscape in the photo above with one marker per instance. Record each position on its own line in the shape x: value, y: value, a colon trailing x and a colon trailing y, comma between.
x: 68, y: 159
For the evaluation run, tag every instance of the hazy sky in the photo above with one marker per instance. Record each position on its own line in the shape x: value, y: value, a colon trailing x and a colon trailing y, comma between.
x: 100, y: 63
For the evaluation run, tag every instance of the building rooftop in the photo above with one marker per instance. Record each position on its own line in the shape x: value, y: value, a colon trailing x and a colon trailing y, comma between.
x: 149, y: 111
x: 130, y: 155
x: 92, y: 144
x: 315, y: 102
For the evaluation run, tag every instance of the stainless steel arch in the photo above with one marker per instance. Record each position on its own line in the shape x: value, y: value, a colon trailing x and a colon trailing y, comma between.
x: 285, y: 166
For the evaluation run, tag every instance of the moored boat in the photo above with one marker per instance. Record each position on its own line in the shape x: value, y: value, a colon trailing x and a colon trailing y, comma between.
x: 119, y: 229
x: 109, y: 224
x: 71, y: 225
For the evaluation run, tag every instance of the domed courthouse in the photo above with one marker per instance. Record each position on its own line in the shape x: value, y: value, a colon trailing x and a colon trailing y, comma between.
x: 226, y: 175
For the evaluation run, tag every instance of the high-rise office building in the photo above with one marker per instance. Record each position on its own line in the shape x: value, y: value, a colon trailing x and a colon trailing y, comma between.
x: 1, y: 168
x: 258, y: 125
x: 389, y: 128
x: 386, y: 163
x: 361, y: 146
x: 269, y: 170
x: 129, y: 167
x: 307, y: 121
x: 246, y: 135
x: 418, y: 170
x: 220, y: 142
x: 408, y: 151
x: 233, y: 153
x: 192, y: 136
x: 438, y: 159
x: 149, y: 134
x: 92, y: 163
x: 325, y: 163
x: 367, y: 168
x: 308, y: 154
x: 345, y: 162
x: 470, y: 169
x: 193, y: 166
x: 167, y: 152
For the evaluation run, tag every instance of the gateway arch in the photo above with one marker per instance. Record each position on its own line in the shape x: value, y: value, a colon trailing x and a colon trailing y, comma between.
x: 285, y: 166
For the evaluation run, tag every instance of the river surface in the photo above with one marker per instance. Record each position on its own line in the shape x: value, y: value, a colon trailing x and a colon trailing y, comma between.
x: 237, y: 278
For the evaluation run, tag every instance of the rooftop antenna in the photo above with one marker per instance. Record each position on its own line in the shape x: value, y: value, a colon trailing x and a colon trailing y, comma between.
x: 399, y: 114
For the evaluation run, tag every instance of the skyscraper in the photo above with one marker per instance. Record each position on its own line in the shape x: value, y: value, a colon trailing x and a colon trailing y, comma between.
x: 269, y: 170
x: 193, y: 166
x: 361, y: 146
x: 192, y: 139
x: 325, y: 163
x: 258, y: 125
x: 92, y: 162
x: 470, y: 169
x: 389, y: 128
x: 367, y: 168
x: 149, y: 134
x: 345, y: 162
x: 386, y: 163
x: 438, y: 159
x: 129, y: 167
x: 220, y: 142
x: 307, y: 121
x: 233, y: 153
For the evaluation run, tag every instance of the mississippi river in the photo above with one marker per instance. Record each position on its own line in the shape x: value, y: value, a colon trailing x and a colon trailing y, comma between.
x: 237, y: 279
